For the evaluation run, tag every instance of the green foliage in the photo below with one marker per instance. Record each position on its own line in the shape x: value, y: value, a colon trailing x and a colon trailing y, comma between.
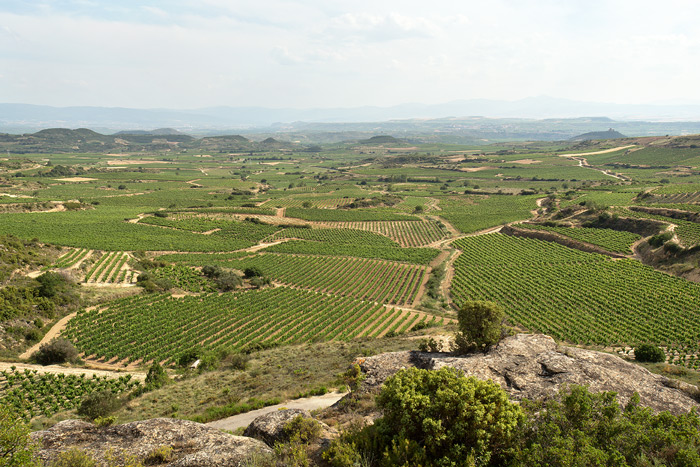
x: 353, y: 377
x: 74, y: 457
x: 159, y: 455
x: 58, y: 350
x: 611, y: 240
x: 252, y: 271
x: 436, y: 418
x: 30, y: 393
x: 582, y: 428
x: 99, y: 404
x: 16, y: 449
x: 480, y: 325
x: 301, y: 429
x: 156, y: 377
x: 649, y: 353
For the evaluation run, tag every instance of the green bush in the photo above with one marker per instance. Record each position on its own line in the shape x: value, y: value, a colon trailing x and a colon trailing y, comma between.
x: 16, y: 449
x: 436, y: 418
x: 99, y: 404
x: 252, y: 271
x: 58, y: 350
x: 580, y: 428
x: 74, y: 457
x: 480, y: 326
x: 649, y: 353
x: 156, y: 377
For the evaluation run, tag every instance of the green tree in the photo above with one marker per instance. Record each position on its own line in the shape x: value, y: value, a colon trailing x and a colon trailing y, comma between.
x: 16, y: 449
x: 480, y: 326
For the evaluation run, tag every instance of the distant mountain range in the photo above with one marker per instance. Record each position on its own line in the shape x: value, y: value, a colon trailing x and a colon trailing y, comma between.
x: 17, y: 118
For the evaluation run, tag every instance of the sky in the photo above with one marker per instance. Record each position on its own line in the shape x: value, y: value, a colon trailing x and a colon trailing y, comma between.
x: 330, y: 53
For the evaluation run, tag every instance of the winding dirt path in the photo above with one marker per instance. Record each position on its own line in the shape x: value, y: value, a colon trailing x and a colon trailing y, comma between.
x: 583, y: 162
x: 307, y: 403
x: 55, y: 331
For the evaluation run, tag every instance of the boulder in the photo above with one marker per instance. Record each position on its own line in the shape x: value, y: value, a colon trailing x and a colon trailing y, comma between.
x: 534, y: 366
x: 192, y: 444
x: 270, y: 427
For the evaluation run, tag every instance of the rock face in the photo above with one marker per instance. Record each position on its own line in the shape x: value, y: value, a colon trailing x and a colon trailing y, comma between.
x: 534, y: 367
x: 193, y: 444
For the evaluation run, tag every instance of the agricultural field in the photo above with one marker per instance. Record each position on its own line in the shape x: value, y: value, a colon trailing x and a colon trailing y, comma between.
x: 225, y: 244
x: 124, y: 331
x: 30, y: 393
x: 610, y: 240
x: 579, y: 297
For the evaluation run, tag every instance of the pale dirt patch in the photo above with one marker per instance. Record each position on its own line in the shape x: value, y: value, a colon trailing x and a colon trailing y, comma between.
x: 413, y: 148
x: 456, y: 159
x: 135, y: 162
x: 526, y: 161
x: 75, y: 179
x: 14, y: 196
x: 209, y: 232
x: 475, y: 169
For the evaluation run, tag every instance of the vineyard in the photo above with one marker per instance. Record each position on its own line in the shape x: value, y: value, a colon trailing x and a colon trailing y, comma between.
x: 349, y: 215
x: 580, y: 297
x: 364, y: 279
x: 73, y: 258
x: 611, y: 240
x: 322, y: 203
x: 111, y: 268
x: 405, y: 233
x: 30, y: 393
x: 124, y: 331
x: 688, y: 232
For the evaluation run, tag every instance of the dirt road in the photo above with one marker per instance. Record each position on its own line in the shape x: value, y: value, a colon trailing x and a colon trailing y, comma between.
x: 308, y: 403
x: 70, y: 370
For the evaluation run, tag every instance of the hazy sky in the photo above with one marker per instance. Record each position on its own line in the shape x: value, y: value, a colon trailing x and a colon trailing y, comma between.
x: 326, y: 53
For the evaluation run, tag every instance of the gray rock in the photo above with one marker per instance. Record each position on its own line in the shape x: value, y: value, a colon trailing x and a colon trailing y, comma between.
x: 270, y: 427
x: 193, y: 444
x: 533, y: 366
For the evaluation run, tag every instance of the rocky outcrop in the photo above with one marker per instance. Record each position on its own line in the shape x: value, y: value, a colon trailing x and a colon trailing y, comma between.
x: 192, y: 444
x: 271, y: 427
x: 533, y: 366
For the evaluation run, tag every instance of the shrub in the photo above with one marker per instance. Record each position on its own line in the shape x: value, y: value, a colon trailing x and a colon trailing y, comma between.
x: 156, y: 377
x: 252, y: 271
x: 160, y: 455
x: 16, y: 448
x: 99, y: 404
x: 302, y: 430
x: 73, y: 457
x: 437, y: 418
x: 649, y: 353
x: 58, y: 350
x: 480, y: 326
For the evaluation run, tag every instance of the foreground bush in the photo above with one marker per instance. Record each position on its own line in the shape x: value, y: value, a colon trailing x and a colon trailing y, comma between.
x: 16, y: 448
x: 435, y: 418
x: 441, y: 418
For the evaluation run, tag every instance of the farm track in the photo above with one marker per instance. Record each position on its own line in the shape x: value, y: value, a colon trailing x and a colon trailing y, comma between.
x: 55, y: 331
x: 583, y: 162
x: 56, y: 369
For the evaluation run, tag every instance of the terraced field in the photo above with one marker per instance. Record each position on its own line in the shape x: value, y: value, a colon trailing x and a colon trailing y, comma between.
x: 611, y: 240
